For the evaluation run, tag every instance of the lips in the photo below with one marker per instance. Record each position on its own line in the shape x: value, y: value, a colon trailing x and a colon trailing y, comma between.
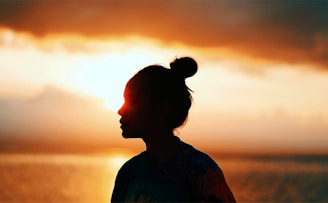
x: 122, y: 124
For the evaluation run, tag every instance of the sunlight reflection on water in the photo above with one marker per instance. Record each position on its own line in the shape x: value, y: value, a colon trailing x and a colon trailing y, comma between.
x: 58, y: 178
x: 90, y: 178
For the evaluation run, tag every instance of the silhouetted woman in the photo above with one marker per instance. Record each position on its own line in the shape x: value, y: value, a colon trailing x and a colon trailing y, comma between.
x: 157, y: 102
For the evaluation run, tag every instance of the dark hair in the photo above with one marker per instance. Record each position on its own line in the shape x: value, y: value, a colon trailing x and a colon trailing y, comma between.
x: 168, y: 85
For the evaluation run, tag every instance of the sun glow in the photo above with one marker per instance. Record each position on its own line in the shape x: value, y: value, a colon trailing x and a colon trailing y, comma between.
x: 106, y: 74
x: 105, y: 77
x: 95, y: 67
x: 116, y: 160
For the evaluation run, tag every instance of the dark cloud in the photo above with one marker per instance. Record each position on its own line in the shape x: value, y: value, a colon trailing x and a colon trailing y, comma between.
x: 292, y: 31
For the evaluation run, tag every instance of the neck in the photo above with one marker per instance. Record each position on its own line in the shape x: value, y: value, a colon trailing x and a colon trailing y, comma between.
x: 163, y: 148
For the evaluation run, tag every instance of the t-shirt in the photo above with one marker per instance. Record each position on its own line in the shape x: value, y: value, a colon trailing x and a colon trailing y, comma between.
x: 189, y: 176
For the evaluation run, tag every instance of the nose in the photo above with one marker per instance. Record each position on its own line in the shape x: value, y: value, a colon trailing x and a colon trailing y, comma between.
x: 121, y: 111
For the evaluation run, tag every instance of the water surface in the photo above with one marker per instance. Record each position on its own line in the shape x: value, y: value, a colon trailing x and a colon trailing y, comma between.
x: 40, y: 178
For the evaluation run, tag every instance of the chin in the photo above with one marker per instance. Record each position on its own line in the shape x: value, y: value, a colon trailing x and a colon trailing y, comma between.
x: 127, y: 136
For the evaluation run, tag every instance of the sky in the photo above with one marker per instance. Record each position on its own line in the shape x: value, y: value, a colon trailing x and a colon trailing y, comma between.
x: 260, y: 87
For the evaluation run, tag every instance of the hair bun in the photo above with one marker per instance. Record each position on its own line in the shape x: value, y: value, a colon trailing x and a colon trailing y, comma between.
x: 184, y: 67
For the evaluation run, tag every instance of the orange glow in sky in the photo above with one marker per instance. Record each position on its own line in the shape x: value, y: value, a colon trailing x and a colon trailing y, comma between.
x: 73, y: 85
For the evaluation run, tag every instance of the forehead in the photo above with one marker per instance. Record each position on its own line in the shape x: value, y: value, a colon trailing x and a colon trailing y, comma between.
x: 135, y: 88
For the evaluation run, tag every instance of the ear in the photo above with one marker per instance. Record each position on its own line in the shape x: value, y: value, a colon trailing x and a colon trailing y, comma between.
x: 164, y: 111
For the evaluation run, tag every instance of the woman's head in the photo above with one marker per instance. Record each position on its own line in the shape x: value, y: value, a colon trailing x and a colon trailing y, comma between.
x: 163, y: 87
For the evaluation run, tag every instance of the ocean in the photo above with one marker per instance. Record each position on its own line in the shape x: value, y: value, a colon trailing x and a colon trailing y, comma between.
x: 69, y: 178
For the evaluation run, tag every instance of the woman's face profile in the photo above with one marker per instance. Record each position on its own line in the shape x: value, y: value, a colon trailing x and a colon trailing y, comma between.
x: 136, y: 113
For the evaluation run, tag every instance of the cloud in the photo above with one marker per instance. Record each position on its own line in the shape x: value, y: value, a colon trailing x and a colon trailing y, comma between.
x: 54, y: 117
x: 278, y: 131
x: 291, y: 31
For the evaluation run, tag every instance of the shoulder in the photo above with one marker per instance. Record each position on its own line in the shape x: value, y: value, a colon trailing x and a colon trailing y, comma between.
x: 133, y: 163
x: 207, y: 179
x: 199, y: 160
x: 136, y: 159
